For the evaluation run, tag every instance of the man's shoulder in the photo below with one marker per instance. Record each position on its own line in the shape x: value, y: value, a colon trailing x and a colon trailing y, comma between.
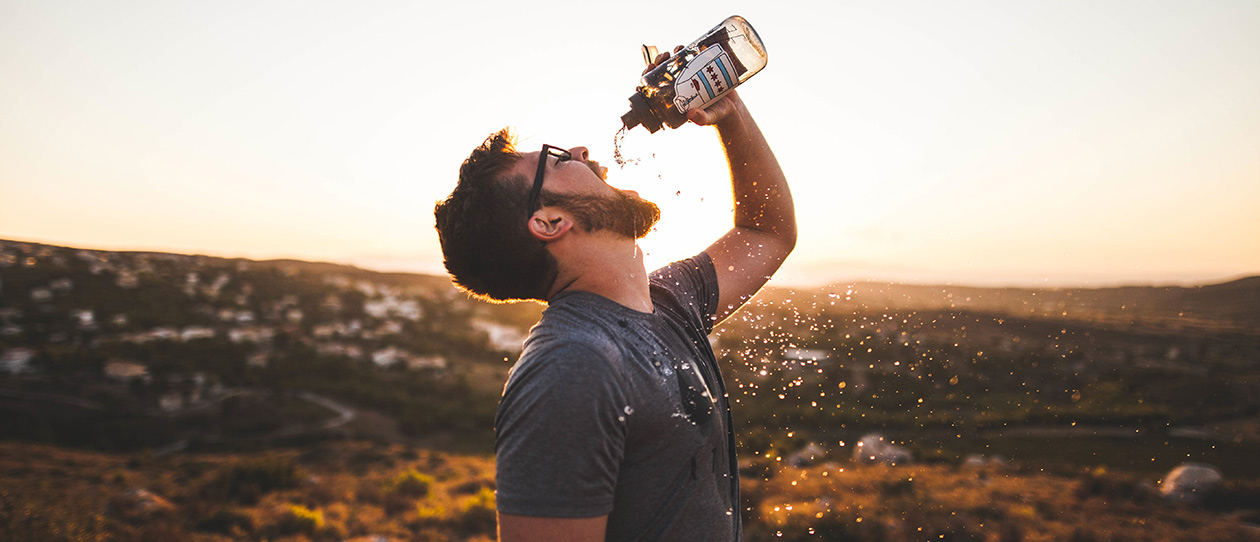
x: 564, y: 341
x: 697, y: 268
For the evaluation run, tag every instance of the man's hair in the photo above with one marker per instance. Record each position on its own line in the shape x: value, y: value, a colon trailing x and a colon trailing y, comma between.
x: 482, y: 227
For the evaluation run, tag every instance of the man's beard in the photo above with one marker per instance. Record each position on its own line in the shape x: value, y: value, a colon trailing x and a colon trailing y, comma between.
x: 621, y: 213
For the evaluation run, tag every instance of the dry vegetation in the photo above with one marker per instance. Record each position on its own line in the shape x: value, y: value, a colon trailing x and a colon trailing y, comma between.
x: 361, y: 491
x: 997, y: 504
x: 328, y: 492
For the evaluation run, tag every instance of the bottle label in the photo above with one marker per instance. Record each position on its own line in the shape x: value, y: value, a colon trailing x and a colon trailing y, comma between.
x: 707, y: 76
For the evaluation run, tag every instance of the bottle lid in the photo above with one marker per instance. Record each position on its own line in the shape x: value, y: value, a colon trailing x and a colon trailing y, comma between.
x: 640, y: 113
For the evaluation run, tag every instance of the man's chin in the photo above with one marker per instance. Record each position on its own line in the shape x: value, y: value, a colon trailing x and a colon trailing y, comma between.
x: 600, y: 171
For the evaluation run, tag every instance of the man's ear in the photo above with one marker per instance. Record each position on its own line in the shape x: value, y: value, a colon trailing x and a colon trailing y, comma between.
x: 550, y: 224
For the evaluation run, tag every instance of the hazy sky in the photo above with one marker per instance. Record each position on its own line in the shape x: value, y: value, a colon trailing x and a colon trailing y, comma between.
x: 1000, y: 142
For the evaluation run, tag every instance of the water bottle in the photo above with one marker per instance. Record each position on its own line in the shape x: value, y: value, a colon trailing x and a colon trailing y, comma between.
x: 696, y: 76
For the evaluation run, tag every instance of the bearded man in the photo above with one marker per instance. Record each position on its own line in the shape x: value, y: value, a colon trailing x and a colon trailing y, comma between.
x: 614, y: 423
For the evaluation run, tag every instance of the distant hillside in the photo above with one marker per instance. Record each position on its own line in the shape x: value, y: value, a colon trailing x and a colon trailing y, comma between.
x: 1233, y: 305
x: 124, y: 350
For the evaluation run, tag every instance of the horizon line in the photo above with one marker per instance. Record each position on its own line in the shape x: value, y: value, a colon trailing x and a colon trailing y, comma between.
x: 419, y: 266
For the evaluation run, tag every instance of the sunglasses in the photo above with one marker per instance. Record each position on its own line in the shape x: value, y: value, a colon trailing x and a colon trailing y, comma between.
x: 547, y: 150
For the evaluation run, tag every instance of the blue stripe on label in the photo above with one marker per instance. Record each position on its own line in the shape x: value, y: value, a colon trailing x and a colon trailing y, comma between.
x: 726, y: 75
x: 705, y: 80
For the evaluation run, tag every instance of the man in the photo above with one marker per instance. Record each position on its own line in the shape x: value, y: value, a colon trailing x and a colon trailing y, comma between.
x: 614, y: 424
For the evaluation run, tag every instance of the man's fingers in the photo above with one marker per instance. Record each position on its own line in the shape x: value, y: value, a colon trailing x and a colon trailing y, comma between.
x: 662, y: 57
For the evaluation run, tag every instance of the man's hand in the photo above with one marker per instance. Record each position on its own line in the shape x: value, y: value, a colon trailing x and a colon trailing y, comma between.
x: 723, y: 108
x: 714, y: 112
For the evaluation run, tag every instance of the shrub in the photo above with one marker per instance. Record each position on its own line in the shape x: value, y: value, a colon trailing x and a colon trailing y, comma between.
x: 300, y: 519
x: 227, y: 522
x: 412, y: 483
x: 1234, y: 495
x: 428, y: 512
x: 477, y: 513
x: 247, y: 481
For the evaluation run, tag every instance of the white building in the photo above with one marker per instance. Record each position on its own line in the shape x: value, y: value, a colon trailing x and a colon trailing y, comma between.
x: 255, y: 335
x: 126, y: 371
x: 501, y: 337
x: 388, y: 356
x: 426, y: 362
x: 16, y: 360
x: 192, y: 333
x: 127, y: 280
x: 85, y: 319
x: 41, y: 295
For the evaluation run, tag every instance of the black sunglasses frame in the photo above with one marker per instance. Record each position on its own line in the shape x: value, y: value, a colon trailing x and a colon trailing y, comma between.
x: 547, y: 150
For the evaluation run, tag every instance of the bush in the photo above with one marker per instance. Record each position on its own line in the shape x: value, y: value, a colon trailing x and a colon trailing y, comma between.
x: 477, y: 513
x: 1234, y: 495
x: 247, y: 481
x: 412, y: 483
x: 300, y: 519
x: 227, y: 522
x: 1111, y: 486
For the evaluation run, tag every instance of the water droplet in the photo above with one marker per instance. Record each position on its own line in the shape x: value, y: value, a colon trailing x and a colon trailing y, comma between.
x: 628, y: 410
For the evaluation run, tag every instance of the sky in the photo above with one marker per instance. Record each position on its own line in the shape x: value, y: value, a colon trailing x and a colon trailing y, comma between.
x: 1067, y: 143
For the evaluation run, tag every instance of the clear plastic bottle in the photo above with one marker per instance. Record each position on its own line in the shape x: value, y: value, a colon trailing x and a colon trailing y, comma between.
x: 696, y: 76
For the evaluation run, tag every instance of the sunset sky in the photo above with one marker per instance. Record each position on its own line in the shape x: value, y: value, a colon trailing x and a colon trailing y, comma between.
x: 990, y: 143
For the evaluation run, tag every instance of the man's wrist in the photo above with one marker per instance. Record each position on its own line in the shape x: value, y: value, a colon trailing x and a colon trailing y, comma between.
x: 734, y: 121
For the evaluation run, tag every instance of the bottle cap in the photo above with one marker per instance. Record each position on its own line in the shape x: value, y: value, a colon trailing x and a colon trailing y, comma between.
x: 640, y: 113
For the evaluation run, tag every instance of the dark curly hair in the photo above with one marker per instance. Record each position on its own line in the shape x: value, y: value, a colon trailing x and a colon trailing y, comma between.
x: 487, y: 247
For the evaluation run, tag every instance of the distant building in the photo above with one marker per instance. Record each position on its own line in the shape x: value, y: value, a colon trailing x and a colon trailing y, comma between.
x: 171, y: 402
x: 389, y: 356
x: 426, y: 362
x: 259, y: 359
x: 255, y: 335
x: 126, y: 371
x: 806, y: 354
x: 501, y: 337
x: 331, y: 303
x: 192, y: 333
x: 163, y: 333
x: 41, y: 295
x: 16, y: 360
x: 339, y: 349
x: 392, y: 306
x: 127, y: 280
x: 85, y: 319
x: 389, y: 327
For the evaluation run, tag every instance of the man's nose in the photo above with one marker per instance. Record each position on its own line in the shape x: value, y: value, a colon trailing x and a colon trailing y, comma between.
x: 579, y: 153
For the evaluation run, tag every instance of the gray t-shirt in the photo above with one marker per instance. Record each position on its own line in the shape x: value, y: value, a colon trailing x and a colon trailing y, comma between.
x: 614, y: 411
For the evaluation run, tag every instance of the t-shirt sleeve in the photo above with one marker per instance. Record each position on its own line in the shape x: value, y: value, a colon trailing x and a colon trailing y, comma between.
x: 560, y: 435
x: 693, y: 282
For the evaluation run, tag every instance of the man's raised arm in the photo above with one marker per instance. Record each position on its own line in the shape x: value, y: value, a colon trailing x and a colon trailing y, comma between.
x: 765, y: 218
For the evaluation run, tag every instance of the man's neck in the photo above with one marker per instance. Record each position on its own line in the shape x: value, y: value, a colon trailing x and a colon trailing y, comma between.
x: 612, y: 268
